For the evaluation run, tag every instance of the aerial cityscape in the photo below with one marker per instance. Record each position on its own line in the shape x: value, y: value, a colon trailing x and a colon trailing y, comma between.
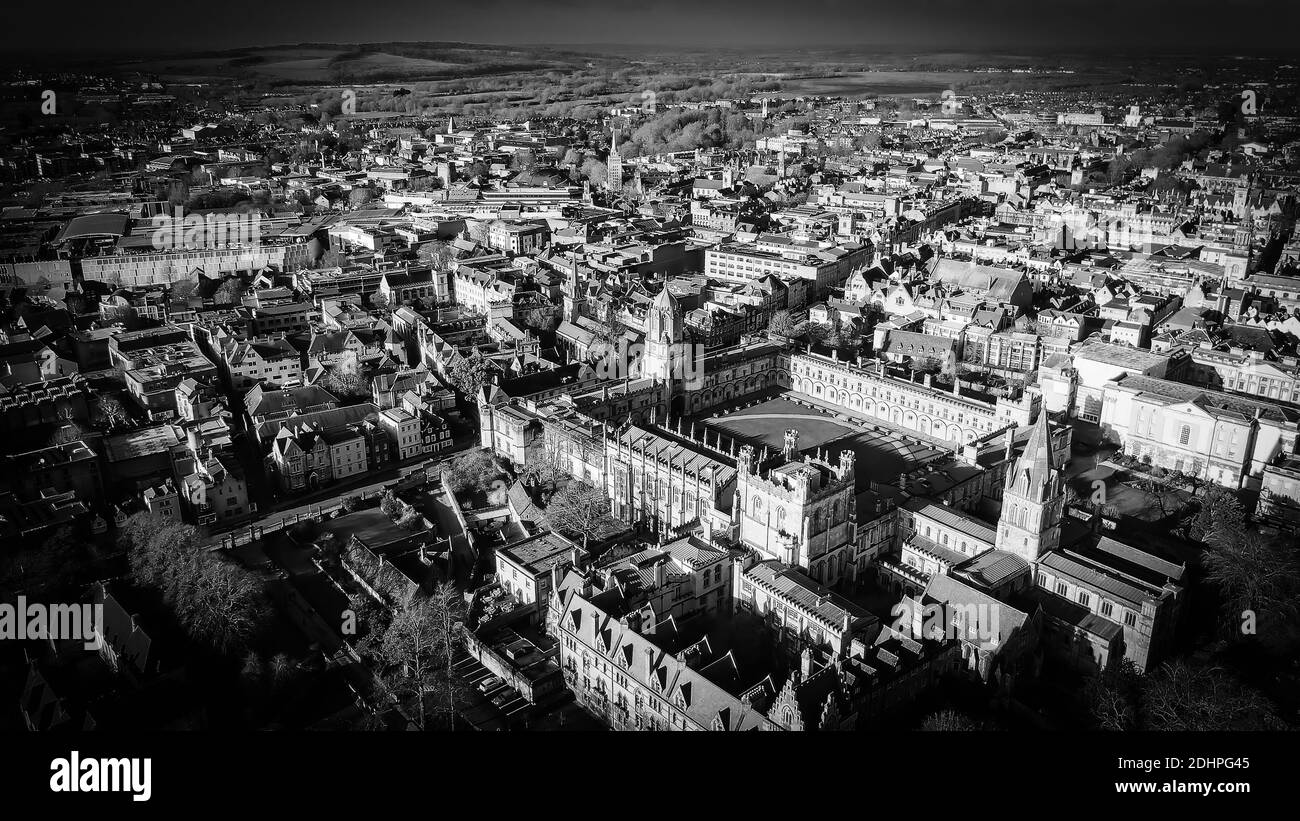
x: 451, y: 385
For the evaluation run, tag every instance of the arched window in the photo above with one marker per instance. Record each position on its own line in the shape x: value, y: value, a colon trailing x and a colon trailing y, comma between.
x: 1184, y: 434
x: 758, y: 506
x: 780, y: 516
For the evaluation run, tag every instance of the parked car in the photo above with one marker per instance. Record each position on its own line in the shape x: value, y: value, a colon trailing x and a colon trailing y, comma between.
x: 489, y: 684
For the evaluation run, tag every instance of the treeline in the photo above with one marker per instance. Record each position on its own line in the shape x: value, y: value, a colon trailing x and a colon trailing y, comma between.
x: 686, y: 130
x: 216, y: 602
x: 1172, y: 153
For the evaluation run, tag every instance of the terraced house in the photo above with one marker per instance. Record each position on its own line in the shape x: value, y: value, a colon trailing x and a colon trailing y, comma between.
x: 635, y: 683
x: 269, y: 360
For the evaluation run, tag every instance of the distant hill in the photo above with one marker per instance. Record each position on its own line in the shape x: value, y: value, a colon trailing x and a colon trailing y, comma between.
x: 313, y: 63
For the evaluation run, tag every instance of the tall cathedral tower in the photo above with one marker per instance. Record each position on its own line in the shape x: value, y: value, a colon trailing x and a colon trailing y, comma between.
x: 663, y: 336
x: 1033, y: 500
x: 614, y: 167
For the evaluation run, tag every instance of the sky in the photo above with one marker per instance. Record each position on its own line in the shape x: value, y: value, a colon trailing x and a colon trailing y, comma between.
x: 130, y: 26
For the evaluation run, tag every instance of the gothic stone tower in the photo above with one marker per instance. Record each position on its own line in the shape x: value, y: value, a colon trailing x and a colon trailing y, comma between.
x: 614, y: 165
x: 663, y: 337
x: 799, y: 512
x: 1034, y: 498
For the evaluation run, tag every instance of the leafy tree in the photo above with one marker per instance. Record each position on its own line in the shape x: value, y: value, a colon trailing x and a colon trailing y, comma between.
x: 476, y: 470
x: 594, y: 171
x: 345, y: 379
x: 391, y: 506
x: 468, y: 375
x: 581, y: 510
x: 360, y: 197
x: 437, y: 254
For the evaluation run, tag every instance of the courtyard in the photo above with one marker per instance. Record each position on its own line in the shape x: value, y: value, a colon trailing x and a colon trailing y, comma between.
x: 881, y: 455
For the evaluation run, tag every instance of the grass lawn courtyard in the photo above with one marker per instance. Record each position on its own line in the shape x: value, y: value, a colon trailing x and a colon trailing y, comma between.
x: 881, y: 454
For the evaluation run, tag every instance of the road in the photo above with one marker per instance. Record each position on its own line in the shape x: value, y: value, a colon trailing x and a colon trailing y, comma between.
x: 311, y: 504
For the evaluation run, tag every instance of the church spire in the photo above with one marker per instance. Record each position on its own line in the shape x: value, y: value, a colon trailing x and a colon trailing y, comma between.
x: 1034, y: 499
x: 1037, y: 460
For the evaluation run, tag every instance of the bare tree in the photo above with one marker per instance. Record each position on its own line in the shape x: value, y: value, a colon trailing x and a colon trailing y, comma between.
x: 948, y: 721
x: 109, y: 411
x: 1180, y: 697
x: 1254, y: 574
x: 449, y: 609
x: 416, y: 650
x: 582, y: 510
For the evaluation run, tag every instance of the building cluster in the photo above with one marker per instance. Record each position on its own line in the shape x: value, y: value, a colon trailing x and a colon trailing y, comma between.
x: 852, y: 359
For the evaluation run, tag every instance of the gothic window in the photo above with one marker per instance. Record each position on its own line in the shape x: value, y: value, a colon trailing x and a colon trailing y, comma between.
x: 758, y: 506
x: 780, y: 516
